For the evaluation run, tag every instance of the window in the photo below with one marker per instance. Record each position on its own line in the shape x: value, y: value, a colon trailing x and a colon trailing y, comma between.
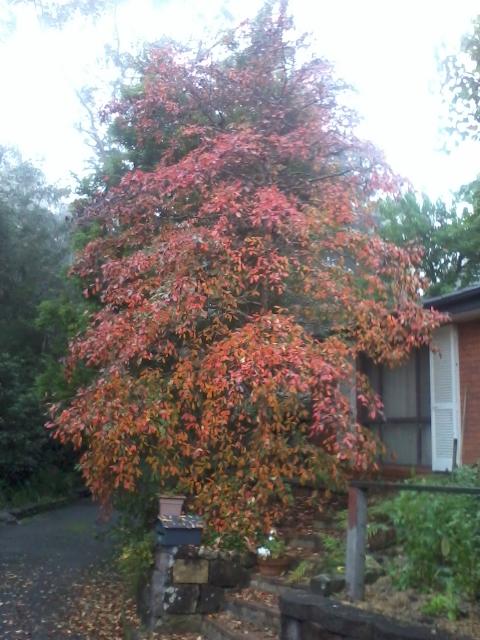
x: 405, y: 391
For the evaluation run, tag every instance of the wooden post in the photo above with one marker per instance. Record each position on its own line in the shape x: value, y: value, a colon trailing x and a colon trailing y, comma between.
x: 356, y: 543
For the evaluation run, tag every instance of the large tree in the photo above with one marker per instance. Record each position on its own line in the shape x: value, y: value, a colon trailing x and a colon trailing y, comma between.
x: 239, y: 276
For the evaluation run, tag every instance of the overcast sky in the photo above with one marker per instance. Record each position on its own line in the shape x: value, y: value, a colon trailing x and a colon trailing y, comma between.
x: 387, y: 49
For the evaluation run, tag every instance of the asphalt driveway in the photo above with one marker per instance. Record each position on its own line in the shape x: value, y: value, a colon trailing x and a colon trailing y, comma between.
x: 41, y: 561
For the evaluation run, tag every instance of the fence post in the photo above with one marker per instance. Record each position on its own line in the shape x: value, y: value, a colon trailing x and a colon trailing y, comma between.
x: 356, y: 543
x: 454, y: 454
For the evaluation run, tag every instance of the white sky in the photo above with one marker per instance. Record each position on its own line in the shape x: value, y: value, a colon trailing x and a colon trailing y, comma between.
x: 387, y: 49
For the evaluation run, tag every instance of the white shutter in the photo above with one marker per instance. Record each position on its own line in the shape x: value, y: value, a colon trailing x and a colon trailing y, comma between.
x: 444, y: 392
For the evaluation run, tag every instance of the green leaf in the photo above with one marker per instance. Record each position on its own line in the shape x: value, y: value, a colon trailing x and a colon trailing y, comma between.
x: 445, y: 547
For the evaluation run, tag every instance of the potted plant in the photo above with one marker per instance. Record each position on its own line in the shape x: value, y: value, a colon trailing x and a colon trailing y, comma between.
x: 271, y: 556
x: 170, y: 501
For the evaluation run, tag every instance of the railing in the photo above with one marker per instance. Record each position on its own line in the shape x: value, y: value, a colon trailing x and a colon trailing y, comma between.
x: 357, y: 525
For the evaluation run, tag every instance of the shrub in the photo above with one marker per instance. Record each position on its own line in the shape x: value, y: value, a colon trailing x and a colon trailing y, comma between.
x: 304, y: 570
x: 443, y: 604
x: 334, y: 549
x: 133, y: 535
x: 44, y: 485
x: 136, y: 558
x: 440, y: 534
x: 229, y: 541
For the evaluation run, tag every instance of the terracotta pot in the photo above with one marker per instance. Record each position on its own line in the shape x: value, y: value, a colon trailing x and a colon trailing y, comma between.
x: 273, y: 566
x: 170, y: 505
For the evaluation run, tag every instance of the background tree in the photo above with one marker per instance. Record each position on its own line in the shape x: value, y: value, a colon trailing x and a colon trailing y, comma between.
x: 56, y: 13
x: 238, y: 278
x: 461, y: 79
x: 450, y: 238
x: 449, y: 235
x: 33, y: 247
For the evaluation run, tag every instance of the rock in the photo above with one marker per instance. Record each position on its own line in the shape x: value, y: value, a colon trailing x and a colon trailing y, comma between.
x: 193, y: 571
x: 325, y: 585
x: 228, y: 573
x: 164, y: 558
x: 308, y: 542
x: 373, y: 570
x: 187, y: 552
x: 291, y: 629
x: 372, y: 564
x: 208, y: 553
x: 248, y: 559
x: 181, y: 598
x: 382, y: 539
x: 372, y: 576
x: 211, y: 599
x: 179, y: 624
x: 158, y: 585
x: 7, y: 518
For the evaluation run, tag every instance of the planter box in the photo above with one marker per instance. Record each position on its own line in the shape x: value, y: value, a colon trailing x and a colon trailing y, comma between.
x: 170, y: 505
x: 273, y: 566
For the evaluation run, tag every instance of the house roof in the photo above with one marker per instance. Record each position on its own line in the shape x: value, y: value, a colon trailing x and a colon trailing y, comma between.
x: 457, y: 303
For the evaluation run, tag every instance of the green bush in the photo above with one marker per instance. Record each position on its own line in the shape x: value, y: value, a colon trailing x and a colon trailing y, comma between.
x: 135, y: 559
x: 133, y: 534
x: 44, y: 485
x: 440, y: 535
x: 229, y: 541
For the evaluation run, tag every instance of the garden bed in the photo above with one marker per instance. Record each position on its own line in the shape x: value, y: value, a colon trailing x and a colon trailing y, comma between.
x: 422, y: 566
x: 407, y: 606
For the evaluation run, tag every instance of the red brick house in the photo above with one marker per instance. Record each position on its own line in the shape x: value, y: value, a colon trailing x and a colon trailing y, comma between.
x: 432, y: 402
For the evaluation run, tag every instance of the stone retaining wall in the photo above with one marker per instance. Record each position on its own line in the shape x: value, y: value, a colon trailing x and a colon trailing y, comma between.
x: 306, y: 616
x: 188, y: 582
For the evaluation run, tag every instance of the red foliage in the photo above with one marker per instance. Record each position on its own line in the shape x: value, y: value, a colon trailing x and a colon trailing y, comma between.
x: 239, y: 276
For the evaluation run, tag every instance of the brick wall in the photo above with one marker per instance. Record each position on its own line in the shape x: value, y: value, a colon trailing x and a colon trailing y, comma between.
x: 469, y: 352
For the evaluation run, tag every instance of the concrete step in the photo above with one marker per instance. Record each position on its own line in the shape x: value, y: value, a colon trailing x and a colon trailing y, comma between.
x: 308, y: 542
x: 274, y: 586
x: 256, y: 613
x: 224, y: 626
x: 268, y: 585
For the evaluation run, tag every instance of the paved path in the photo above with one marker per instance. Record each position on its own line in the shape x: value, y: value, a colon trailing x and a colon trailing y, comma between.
x: 41, y: 559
